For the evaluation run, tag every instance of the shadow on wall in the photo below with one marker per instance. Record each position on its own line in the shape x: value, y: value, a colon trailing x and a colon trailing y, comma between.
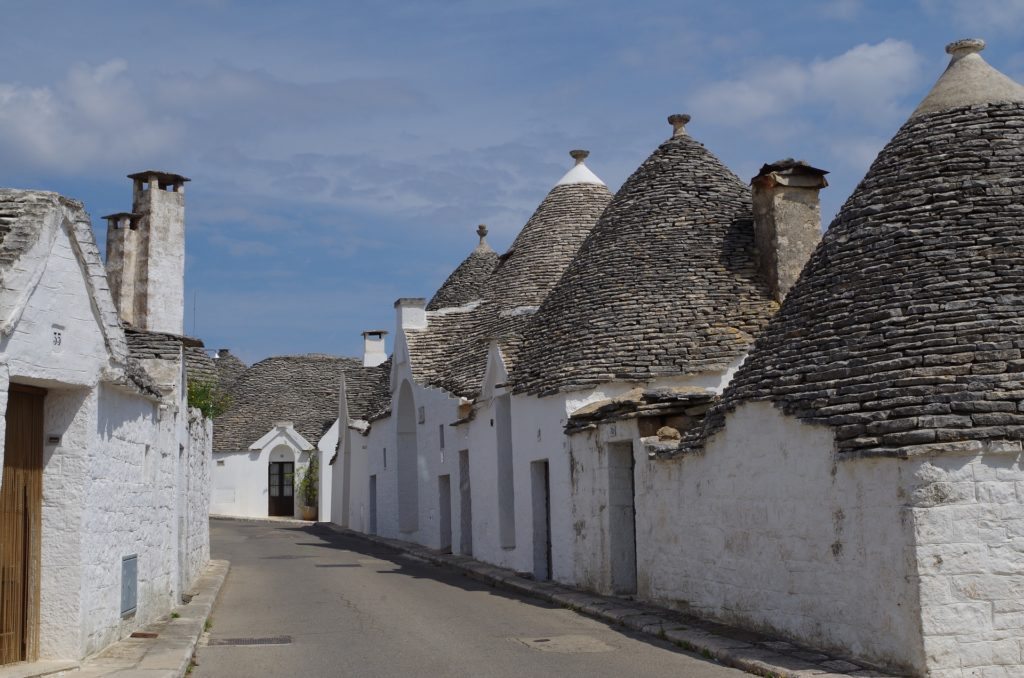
x: 116, y: 410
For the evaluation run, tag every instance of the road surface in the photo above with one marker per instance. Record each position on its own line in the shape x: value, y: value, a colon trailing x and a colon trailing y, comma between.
x: 353, y: 608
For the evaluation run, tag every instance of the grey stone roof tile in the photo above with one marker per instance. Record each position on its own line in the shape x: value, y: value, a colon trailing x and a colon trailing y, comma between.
x: 229, y: 367
x: 905, y: 331
x: 468, y: 281
x: 665, y: 284
x: 451, y: 353
x: 302, y: 389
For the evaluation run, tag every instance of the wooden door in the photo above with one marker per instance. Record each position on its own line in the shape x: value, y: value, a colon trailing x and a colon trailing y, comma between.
x: 540, y: 480
x: 622, y: 518
x: 282, y: 490
x: 444, y: 506
x: 21, y: 503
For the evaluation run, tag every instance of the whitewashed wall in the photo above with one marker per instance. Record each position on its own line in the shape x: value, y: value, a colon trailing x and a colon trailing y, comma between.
x: 71, y: 414
x: 764, y: 529
x: 240, y: 479
x: 131, y: 509
x: 439, y: 410
x: 968, y: 515
x: 371, y: 448
x: 111, y: 476
x: 326, y: 447
x: 58, y: 304
x: 199, y: 463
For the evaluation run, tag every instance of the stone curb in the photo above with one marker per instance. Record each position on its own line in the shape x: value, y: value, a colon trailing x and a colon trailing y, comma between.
x: 170, y: 654
x: 274, y: 519
x: 747, y: 651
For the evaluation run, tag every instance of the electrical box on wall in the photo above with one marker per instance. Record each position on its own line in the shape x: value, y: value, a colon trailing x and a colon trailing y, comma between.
x: 129, y: 584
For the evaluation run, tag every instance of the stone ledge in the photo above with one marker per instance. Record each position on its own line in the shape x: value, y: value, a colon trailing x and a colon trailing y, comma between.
x: 170, y: 654
x: 745, y: 650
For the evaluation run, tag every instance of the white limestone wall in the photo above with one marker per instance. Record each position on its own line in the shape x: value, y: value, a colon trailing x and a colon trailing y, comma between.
x: 765, y: 530
x: 198, y: 469
x: 481, y: 441
x: 131, y: 508
x: 240, y: 479
x: 369, y: 453
x: 439, y: 410
x: 326, y: 447
x: 57, y: 338
x: 589, y: 487
x: 536, y: 435
x: 111, y: 476
x: 71, y: 415
x: 968, y: 516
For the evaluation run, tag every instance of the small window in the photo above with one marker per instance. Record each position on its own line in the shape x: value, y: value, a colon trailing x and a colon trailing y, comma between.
x: 385, y: 457
x: 440, y: 434
x: 422, y: 414
x: 129, y: 584
x: 220, y: 462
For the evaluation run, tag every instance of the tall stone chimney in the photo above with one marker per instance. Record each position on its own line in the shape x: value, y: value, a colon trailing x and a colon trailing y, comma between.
x: 374, y: 352
x: 122, y: 255
x: 411, y: 313
x: 787, y: 220
x: 146, y: 253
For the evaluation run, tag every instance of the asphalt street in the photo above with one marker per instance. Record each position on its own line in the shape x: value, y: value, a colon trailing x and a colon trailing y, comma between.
x: 336, y: 605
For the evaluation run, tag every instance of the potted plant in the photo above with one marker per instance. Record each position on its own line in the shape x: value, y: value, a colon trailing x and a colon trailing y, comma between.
x: 306, y: 488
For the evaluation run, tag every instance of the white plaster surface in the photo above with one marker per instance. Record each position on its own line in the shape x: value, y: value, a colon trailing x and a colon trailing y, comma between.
x: 765, y: 530
x: 58, y: 303
x: 968, y: 515
x: 121, y: 475
x: 240, y: 483
x: 198, y: 478
x: 969, y: 80
x: 912, y: 564
x: 580, y: 174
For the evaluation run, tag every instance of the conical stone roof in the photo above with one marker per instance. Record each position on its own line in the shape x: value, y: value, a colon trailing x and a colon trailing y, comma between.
x: 550, y: 239
x: 228, y: 367
x: 468, y: 281
x: 303, y: 389
x: 905, y: 330
x: 665, y: 284
x: 451, y: 353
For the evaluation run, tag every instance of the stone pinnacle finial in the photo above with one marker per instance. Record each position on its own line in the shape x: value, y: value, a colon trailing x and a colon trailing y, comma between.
x: 678, y: 122
x: 579, y: 155
x: 962, y: 48
x: 481, y: 231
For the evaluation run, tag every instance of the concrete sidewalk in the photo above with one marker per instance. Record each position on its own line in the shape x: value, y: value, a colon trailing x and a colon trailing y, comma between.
x: 752, y: 652
x: 169, y: 654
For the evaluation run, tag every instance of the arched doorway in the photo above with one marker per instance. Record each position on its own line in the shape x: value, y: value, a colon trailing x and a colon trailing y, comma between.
x: 281, y: 482
x: 408, y: 480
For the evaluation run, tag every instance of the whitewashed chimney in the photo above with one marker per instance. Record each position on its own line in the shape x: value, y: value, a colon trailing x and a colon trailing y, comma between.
x: 787, y: 220
x: 146, y: 253
x: 374, y: 352
x: 411, y: 313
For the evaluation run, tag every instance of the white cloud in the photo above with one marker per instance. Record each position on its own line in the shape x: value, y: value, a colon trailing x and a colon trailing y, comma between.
x: 981, y: 16
x: 94, y: 115
x: 844, y: 10
x: 112, y: 116
x: 867, y: 81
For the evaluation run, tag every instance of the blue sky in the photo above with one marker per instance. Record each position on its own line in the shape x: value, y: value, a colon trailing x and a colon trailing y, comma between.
x: 342, y: 153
